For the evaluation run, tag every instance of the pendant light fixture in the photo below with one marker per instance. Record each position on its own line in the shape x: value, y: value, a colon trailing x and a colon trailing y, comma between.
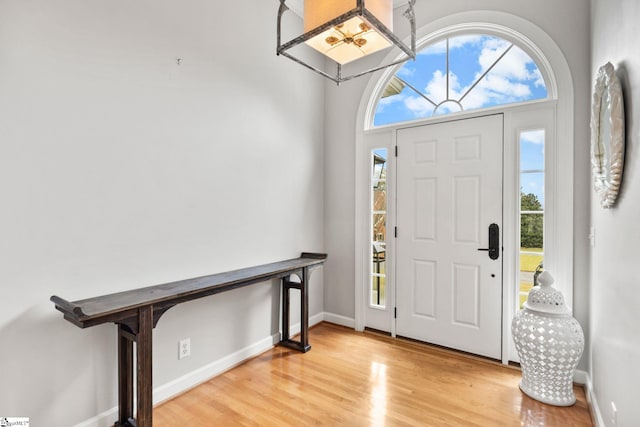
x: 347, y: 30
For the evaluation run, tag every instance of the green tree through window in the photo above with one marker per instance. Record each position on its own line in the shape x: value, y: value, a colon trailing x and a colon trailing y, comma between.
x: 531, y: 221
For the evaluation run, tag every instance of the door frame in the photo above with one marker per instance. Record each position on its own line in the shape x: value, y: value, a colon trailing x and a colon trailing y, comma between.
x: 530, y: 115
x: 559, y: 158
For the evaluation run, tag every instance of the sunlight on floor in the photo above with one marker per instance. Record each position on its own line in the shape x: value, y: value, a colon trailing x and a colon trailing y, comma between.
x: 378, y: 394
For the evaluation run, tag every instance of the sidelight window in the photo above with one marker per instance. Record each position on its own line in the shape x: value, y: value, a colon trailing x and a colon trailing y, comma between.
x: 378, y: 294
x: 531, y: 209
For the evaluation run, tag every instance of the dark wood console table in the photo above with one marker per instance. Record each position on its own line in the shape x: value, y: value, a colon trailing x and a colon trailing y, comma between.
x: 136, y: 312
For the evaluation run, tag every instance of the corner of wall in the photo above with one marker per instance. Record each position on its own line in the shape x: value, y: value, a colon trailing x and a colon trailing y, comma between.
x: 583, y: 378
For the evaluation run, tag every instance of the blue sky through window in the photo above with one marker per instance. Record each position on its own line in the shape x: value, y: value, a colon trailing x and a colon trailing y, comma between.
x: 483, y: 71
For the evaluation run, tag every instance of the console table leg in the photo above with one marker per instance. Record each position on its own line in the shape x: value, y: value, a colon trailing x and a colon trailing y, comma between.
x: 304, y: 311
x: 125, y: 377
x: 285, y: 308
x: 303, y: 287
x: 144, y: 374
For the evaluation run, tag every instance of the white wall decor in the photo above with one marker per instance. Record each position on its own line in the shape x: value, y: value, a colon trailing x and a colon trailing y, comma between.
x: 607, y: 135
x: 550, y: 343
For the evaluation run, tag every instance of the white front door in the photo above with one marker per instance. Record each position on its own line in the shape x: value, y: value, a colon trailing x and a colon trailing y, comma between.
x: 449, y: 192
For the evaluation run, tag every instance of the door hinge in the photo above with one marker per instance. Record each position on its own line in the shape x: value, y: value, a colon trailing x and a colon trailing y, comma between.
x: 395, y: 232
x: 396, y: 151
x: 395, y: 312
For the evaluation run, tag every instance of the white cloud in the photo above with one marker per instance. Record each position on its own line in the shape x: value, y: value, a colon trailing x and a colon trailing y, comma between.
x: 435, y: 49
x: 495, y: 90
x: 383, y: 102
x: 419, y: 106
x: 406, y: 71
x: 436, y: 89
x: 539, y: 79
x: 491, y: 90
x: 533, y: 136
x: 490, y: 51
x: 513, y: 65
x: 510, y: 80
x: 454, y: 43
x: 469, y: 39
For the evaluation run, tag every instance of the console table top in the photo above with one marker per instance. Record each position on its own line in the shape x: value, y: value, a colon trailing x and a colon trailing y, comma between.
x: 120, y: 305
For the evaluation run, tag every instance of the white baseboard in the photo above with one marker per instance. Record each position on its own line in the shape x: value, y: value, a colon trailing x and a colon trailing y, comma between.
x: 340, y: 320
x: 192, y: 379
x: 582, y: 377
x: 313, y: 320
x: 201, y: 375
x: 104, y: 419
x: 205, y: 373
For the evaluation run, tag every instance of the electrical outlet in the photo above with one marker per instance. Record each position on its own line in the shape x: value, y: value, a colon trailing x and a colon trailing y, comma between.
x: 184, y: 348
x: 614, y: 415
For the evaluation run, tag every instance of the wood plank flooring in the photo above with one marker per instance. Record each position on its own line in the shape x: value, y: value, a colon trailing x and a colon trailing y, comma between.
x: 365, y: 379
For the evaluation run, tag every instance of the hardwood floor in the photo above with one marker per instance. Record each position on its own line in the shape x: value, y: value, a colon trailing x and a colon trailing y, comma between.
x: 365, y: 379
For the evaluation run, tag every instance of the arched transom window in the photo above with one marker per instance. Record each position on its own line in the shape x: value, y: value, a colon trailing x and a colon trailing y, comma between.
x: 460, y: 73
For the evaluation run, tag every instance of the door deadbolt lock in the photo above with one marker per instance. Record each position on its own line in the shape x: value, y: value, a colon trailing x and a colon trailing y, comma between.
x: 494, y: 242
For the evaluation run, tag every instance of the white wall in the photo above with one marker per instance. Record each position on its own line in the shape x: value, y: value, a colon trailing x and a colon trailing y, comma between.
x: 120, y: 168
x: 567, y: 23
x: 615, y: 295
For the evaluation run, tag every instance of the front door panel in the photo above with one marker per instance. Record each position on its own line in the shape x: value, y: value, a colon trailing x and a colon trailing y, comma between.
x: 449, y: 194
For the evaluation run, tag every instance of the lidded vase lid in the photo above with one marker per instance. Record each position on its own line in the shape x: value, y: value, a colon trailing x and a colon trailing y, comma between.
x: 546, y: 299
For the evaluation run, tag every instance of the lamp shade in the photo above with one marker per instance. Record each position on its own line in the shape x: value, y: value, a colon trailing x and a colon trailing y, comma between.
x: 351, y: 34
x: 345, y: 30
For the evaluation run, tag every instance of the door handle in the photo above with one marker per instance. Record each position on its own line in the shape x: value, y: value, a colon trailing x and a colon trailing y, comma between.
x: 494, y: 242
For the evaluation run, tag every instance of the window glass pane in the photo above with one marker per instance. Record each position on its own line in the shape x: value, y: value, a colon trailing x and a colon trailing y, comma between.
x: 393, y: 109
x: 378, y: 290
x: 380, y: 198
x: 531, y: 210
x: 463, y: 71
x: 530, y: 262
x: 378, y: 228
x: 532, y: 150
x: 429, y: 67
x: 531, y: 231
x: 460, y: 73
x: 379, y: 167
x: 532, y: 191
